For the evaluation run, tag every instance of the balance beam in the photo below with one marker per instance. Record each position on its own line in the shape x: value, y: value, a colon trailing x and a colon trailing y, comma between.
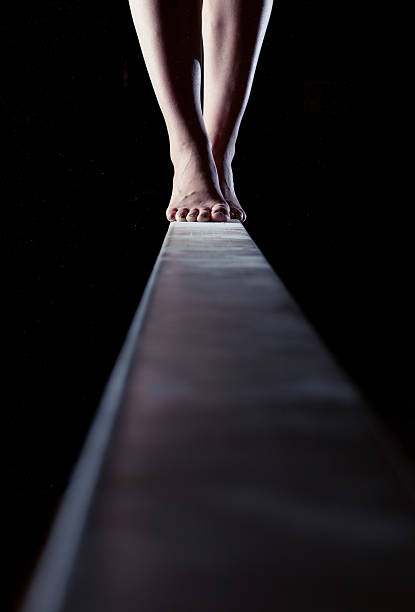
x: 232, y: 465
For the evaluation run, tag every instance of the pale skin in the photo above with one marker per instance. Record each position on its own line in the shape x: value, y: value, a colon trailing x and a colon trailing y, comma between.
x: 202, y: 143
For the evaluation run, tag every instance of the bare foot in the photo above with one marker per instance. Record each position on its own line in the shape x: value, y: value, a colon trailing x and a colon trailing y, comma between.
x: 228, y: 189
x: 196, y: 192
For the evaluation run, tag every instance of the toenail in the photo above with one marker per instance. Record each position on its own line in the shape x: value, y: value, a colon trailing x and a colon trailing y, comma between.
x: 182, y: 216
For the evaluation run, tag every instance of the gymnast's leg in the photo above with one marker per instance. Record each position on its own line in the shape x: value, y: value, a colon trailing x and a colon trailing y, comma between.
x: 170, y: 36
x: 233, y: 32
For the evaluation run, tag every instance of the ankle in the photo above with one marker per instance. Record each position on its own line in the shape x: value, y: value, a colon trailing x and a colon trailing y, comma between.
x: 223, y: 155
x: 181, y: 151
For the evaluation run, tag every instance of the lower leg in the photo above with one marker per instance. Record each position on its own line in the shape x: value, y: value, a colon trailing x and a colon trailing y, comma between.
x: 233, y: 32
x: 170, y: 38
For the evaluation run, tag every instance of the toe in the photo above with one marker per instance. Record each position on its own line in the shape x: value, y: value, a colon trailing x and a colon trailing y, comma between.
x: 193, y: 214
x: 204, y: 214
x: 171, y: 214
x: 220, y: 212
x: 238, y: 213
x: 182, y: 214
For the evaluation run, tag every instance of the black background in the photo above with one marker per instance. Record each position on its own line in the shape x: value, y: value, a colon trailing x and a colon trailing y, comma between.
x: 87, y: 179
